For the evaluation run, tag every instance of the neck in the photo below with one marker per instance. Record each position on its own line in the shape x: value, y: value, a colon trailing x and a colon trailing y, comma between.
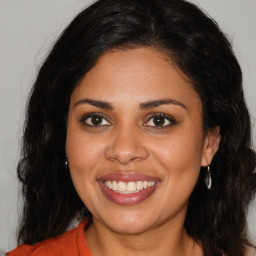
x: 166, y: 239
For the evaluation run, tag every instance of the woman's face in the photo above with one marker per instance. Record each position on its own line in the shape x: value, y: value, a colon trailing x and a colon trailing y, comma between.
x: 135, y: 141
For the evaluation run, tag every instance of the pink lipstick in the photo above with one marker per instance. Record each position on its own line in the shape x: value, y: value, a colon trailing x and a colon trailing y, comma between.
x: 127, y: 188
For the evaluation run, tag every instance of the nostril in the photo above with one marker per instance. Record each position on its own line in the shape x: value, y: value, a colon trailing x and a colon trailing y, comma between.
x: 124, y: 159
x: 126, y: 154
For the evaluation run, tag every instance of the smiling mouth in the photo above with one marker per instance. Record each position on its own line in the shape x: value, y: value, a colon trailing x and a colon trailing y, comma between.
x: 128, y: 187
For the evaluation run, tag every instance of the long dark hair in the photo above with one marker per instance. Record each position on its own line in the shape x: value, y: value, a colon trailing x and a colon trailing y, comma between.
x: 216, y: 218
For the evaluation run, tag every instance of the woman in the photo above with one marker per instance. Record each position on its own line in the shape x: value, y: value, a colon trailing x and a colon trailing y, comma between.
x: 137, y: 123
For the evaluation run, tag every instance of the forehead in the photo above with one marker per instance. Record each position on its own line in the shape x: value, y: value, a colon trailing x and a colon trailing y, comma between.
x: 135, y: 75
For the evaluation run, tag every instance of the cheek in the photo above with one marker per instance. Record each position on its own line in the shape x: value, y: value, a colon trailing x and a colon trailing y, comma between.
x: 180, y: 160
x: 180, y: 156
x: 83, y: 152
x: 83, y: 156
x: 183, y: 149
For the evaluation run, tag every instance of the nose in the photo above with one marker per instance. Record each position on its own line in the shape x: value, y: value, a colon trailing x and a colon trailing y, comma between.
x: 126, y: 146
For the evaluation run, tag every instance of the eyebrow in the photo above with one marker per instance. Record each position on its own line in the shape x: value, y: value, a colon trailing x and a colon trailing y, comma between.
x: 143, y: 106
x: 96, y: 103
x: 156, y: 103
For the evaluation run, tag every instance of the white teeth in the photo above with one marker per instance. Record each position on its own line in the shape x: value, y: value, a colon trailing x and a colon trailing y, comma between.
x: 129, y: 187
x: 121, y: 186
x: 139, y: 185
x: 151, y: 183
x: 109, y: 184
x: 114, y: 186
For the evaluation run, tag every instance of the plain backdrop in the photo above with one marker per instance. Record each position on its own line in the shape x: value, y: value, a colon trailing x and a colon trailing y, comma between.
x: 28, y: 28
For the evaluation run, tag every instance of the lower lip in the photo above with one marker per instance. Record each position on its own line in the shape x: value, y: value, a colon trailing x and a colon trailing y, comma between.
x: 127, y: 199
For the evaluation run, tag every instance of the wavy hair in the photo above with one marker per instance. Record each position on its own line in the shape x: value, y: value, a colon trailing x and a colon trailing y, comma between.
x: 216, y: 218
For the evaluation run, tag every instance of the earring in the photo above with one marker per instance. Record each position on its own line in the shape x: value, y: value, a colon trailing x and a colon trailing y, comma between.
x: 208, y: 178
x: 66, y: 162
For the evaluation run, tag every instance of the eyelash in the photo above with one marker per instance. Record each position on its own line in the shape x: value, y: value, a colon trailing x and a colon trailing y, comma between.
x: 91, y: 115
x: 167, y: 118
x: 170, y: 119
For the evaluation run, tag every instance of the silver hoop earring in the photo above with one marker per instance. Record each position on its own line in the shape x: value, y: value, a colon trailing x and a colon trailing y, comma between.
x: 208, y: 178
x: 66, y: 162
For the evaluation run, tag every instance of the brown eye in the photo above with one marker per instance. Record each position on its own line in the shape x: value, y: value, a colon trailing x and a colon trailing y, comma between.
x: 160, y: 121
x: 96, y: 120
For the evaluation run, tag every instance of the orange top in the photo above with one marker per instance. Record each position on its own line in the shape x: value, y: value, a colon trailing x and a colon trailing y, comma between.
x: 71, y: 243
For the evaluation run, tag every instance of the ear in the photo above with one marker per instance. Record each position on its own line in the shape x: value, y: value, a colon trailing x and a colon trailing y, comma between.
x: 211, y: 145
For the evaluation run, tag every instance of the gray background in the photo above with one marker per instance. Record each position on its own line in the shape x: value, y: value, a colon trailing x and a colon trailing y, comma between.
x: 27, y: 30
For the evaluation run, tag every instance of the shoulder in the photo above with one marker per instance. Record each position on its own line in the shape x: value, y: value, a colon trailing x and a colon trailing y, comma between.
x: 52, y: 246
x: 68, y: 244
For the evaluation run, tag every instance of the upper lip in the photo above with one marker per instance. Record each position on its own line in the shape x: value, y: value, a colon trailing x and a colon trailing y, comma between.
x: 126, y: 177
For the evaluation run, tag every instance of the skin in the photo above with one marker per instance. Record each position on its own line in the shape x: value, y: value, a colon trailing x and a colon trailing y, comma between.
x: 128, y: 141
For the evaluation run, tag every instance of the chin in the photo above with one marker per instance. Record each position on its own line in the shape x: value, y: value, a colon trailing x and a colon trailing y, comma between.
x: 129, y: 224
x: 129, y: 229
